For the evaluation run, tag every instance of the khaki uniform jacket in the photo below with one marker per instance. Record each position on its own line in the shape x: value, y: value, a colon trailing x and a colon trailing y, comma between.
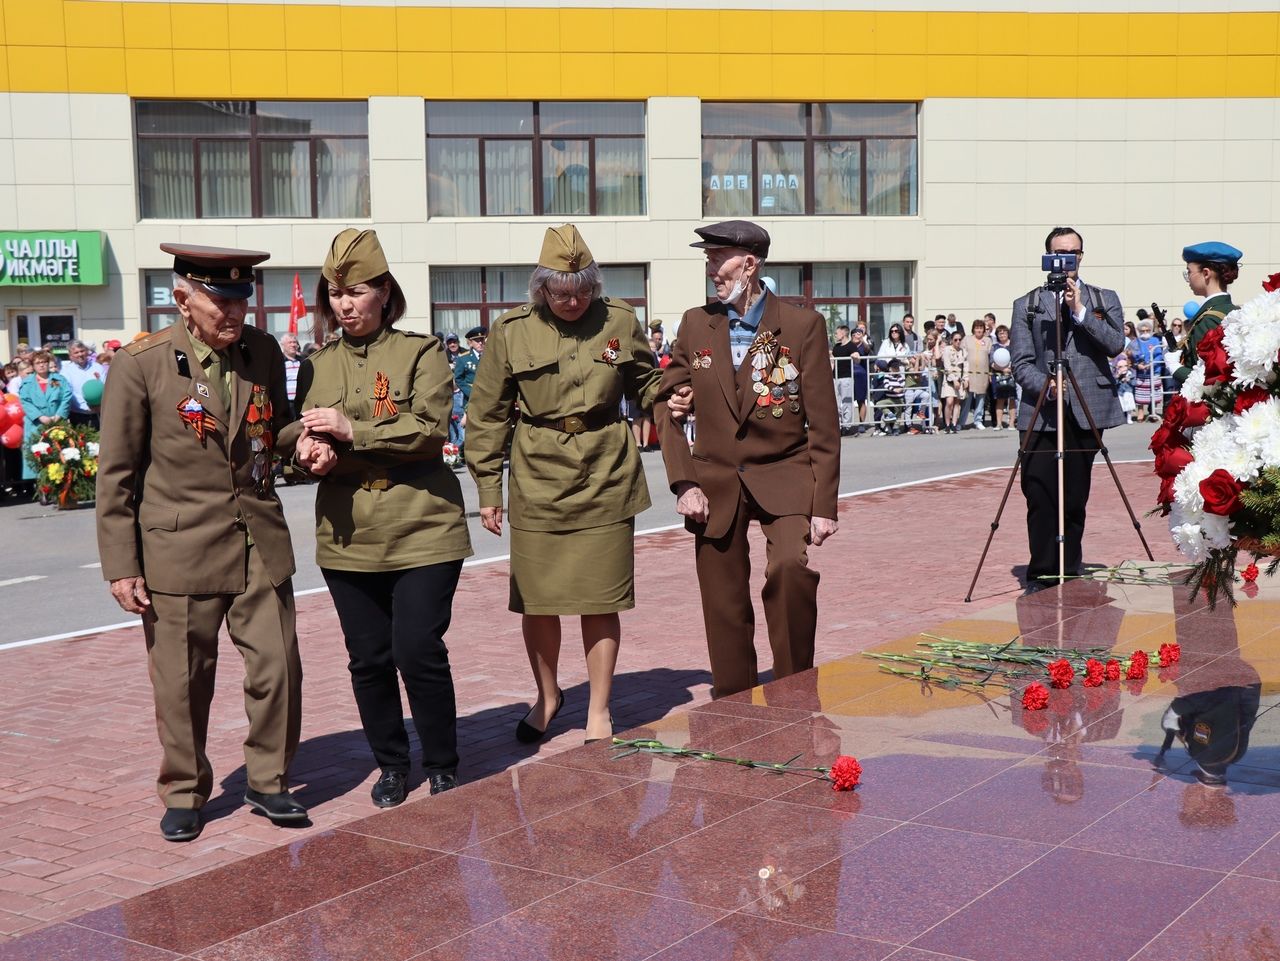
x: 170, y: 509
x: 789, y: 464
x: 553, y: 369
x: 418, y: 517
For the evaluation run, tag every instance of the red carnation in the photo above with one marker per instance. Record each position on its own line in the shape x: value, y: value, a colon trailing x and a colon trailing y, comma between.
x: 1250, y: 396
x: 1170, y: 654
x: 1271, y: 284
x: 1250, y: 573
x: 1137, y: 666
x: 845, y: 773
x: 1112, y: 670
x: 1093, y: 671
x: 1171, y: 460
x: 1035, y: 697
x: 1221, y: 493
x: 1218, y: 367
x: 1061, y: 673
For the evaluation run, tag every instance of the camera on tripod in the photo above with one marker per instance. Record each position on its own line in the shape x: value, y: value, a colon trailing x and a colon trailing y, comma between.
x: 1057, y: 266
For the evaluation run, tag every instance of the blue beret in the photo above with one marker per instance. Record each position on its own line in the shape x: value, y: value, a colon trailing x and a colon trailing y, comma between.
x: 1211, y: 252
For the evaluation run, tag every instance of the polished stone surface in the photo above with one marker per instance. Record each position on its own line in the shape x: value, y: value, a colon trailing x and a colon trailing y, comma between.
x: 980, y: 832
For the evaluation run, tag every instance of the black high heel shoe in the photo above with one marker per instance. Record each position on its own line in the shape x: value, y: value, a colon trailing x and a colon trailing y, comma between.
x: 526, y: 733
x: 593, y: 740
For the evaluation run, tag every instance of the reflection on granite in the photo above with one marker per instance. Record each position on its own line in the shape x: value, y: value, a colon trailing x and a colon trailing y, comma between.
x: 981, y: 831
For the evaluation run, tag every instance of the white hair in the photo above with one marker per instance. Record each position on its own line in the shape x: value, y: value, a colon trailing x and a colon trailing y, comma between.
x: 560, y: 281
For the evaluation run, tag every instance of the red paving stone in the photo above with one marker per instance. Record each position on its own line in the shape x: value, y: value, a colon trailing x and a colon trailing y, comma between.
x: 78, y: 814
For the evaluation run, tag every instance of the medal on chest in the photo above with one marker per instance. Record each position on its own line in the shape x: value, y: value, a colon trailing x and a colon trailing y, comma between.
x: 611, y: 351
x: 196, y: 418
x: 775, y: 377
x: 383, y: 405
x: 702, y: 359
x: 762, y: 352
x: 261, y: 437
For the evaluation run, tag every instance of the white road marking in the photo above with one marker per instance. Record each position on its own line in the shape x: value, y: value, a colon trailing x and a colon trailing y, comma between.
x: 482, y: 561
x: 89, y: 567
x: 22, y: 580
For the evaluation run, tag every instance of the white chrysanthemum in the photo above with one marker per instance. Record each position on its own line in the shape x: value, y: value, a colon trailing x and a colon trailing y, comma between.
x: 70, y: 453
x: 1258, y: 431
x: 1190, y: 541
x: 1216, y: 530
x: 1251, y: 336
x: 1186, y: 488
x: 1193, y: 387
x: 1213, y: 444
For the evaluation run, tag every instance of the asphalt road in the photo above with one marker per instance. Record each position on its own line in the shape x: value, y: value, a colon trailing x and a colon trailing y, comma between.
x: 50, y: 582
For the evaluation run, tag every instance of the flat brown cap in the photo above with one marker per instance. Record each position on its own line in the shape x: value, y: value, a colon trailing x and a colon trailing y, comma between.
x: 563, y: 249
x: 742, y: 234
x: 226, y: 271
x: 354, y: 257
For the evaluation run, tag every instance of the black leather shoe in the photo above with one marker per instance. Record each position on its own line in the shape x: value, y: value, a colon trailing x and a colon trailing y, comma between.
x: 180, y: 824
x: 390, y: 789
x: 1036, y: 586
x: 442, y: 782
x: 526, y: 733
x: 281, y: 808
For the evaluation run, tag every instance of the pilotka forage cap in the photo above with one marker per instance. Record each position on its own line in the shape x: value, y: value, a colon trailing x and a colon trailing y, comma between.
x: 742, y: 234
x: 1211, y: 252
x: 563, y: 249
x: 225, y: 271
x: 354, y: 257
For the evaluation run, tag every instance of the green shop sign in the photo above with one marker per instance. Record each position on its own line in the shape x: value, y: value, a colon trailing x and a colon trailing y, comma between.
x: 44, y: 258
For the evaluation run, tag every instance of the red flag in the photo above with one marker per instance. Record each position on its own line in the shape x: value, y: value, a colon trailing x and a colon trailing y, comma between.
x: 298, y: 307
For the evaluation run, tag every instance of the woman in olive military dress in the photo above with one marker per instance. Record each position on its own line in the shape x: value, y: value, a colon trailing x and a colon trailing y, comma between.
x: 1211, y: 268
x: 390, y: 527
x: 566, y: 359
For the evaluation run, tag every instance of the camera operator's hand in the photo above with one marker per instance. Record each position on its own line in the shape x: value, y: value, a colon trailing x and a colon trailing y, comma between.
x: 1072, y: 296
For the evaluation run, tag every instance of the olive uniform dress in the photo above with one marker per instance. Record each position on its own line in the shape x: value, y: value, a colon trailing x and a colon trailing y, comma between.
x: 576, y: 478
x: 390, y: 526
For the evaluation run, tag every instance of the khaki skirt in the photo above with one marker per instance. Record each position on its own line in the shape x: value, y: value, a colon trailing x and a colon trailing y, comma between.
x: 589, y: 571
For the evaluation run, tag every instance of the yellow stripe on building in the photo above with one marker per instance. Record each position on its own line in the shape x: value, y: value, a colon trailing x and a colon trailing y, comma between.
x: 265, y: 51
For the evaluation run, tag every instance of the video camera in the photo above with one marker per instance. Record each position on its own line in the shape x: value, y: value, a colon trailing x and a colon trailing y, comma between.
x: 1057, y: 266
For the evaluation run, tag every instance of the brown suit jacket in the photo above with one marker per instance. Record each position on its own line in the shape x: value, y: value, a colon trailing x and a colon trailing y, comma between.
x: 789, y: 464
x: 169, y: 509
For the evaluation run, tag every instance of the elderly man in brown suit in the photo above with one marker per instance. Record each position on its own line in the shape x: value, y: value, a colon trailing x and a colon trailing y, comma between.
x: 767, y: 449
x: 191, y: 534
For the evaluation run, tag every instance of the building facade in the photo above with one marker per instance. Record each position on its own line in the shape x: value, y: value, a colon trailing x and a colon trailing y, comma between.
x: 902, y: 158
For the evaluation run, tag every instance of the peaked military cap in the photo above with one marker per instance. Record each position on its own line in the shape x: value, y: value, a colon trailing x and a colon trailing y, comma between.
x: 742, y: 234
x: 475, y: 332
x: 225, y: 271
x: 563, y: 249
x: 1211, y: 252
x: 354, y: 257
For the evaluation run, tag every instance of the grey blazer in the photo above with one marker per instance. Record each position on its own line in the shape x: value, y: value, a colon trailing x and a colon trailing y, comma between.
x: 1088, y: 347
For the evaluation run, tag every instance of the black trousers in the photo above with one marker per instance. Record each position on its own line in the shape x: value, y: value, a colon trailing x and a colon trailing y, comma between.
x: 396, y: 621
x: 1040, y: 487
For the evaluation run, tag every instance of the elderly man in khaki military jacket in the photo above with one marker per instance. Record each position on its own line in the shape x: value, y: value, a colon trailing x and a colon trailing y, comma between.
x: 191, y: 534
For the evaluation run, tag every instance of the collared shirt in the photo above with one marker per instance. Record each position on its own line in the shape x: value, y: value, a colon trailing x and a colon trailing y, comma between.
x: 217, y: 368
x: 742, y: 329
x: 76, y: 377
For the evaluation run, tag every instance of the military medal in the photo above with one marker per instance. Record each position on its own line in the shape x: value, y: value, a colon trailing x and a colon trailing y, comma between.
x: 775, y: 394
x: 795, y: 406
x: 793, y: 388
x: 759, y: 388
x: 757, y: 376
x: 194, y: 416
x: 789, y: 370
x: 261, y: 439
x: 760, y: 413
x: 382, y: 402
x: 762, y: 351
x: 777, y: 412
x: 611, y: 350
x: 703, y: 358
x: 777, y: 376
x: 763, y: 400
x: 202, y: 390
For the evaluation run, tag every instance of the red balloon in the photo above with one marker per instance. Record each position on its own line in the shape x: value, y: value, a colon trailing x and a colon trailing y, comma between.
x: 15, y: 411
x: 12, y: 438
x: 5, y: 418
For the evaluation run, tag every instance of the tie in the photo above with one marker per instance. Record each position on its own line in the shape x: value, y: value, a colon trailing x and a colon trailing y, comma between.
x: 219, y: 367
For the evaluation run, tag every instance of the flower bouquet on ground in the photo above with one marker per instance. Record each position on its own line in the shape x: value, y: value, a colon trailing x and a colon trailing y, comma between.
x: 1218, y: 448
x: 1030, y: 672
x: 452, y: 456
x: 845, y: 772
x: 65, y: 459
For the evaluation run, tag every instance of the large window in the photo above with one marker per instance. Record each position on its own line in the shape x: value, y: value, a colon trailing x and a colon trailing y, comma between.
x: 776, y: 159
x: 466, y: 297
x: 247, y: 158
x: 507, y: 159
x: 879, y: 294
x: 268, y: 307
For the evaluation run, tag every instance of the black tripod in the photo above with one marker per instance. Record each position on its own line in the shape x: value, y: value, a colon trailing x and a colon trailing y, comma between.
x: 1060, y: 369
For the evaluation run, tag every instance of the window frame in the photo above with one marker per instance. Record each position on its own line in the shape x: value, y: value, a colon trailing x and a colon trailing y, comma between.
x: 254, y: 139
x: 809, y: 139
x: 536, y: 139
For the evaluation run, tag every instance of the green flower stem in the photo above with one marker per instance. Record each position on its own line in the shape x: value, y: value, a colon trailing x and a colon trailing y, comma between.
x: 649, y: 746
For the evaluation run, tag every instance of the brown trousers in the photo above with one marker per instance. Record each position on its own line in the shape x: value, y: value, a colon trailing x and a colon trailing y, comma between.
x: 790, y: 598
x: 182, y: 650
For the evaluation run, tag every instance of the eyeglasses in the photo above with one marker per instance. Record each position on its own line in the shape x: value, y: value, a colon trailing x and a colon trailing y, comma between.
x: 578, y: 295
x: 1076, y: 253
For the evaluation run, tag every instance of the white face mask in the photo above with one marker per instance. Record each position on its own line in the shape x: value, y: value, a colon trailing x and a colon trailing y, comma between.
x: 739, y: 286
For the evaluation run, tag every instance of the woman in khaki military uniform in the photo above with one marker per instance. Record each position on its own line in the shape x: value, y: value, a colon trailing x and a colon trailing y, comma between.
x: 391, y: 532
x: 566, y: 359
